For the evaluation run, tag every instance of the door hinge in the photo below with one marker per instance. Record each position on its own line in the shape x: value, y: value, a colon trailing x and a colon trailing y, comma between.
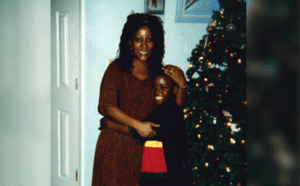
x: 76, y: 175
x: 76, y: 83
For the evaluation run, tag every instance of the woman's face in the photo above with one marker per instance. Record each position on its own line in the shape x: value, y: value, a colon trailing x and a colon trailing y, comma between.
x: 142, y: 43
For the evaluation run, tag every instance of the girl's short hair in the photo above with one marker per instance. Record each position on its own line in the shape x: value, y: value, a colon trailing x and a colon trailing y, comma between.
x: 162, y: 73
x: 134, y: 21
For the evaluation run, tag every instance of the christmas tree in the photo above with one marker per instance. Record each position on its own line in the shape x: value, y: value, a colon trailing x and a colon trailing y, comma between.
x: 215, y: 112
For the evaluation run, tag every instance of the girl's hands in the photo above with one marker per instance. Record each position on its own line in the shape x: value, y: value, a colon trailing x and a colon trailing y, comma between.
x: 145, y: 129
x: 176, y: 74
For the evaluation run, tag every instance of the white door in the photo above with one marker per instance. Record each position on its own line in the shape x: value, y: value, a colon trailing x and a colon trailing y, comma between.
x: 65, y: 100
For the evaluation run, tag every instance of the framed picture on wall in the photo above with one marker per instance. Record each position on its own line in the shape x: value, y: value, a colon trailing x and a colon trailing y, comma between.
x: 195, y: 11
x: 154, y: 6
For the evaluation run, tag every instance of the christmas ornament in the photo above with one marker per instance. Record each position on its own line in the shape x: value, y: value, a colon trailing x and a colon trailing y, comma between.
x: 227, y: 115
x: 230, y: 27
x: 194, y: 51
x: 212, y: 24
x: 233, y: 127
x: 205, y: 41
x: 200, y: 68
x: 223, y: 67
x: 210, y: 65
x: 206, y: 88
x: 232, y: 141
x: 214, y: 120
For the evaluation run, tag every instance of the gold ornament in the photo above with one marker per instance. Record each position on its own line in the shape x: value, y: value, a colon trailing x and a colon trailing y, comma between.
x: 212, y: 24
x: 232, y: 141
x: 227, y: 169
x: 206, y: 164
x: 230, y: 27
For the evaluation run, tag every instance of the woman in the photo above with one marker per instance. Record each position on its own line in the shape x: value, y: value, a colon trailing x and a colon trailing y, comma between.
x: 126, y: 100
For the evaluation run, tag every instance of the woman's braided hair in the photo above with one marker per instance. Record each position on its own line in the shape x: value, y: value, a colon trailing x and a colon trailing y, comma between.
x: 134, y: 21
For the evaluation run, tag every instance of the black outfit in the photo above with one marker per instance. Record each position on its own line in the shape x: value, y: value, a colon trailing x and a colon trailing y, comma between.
x: 172, y: 133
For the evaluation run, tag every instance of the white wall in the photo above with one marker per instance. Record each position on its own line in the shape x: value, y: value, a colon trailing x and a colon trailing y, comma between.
x: 104, y: 21
x: 25, y: 93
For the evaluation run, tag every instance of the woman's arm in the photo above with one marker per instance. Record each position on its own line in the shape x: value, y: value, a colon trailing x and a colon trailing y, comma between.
x: 178, y: 76
x: 107, y: 123
x: 143, y: 128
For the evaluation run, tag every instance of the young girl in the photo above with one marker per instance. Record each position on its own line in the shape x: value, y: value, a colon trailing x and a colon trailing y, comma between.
x: 165, y: 155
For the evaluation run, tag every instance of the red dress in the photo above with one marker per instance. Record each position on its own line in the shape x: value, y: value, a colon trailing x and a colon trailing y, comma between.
x: 154, y: 162
x: 118, y: 158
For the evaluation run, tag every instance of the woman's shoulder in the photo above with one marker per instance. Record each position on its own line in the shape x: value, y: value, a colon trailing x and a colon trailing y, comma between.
x: 114, y: 67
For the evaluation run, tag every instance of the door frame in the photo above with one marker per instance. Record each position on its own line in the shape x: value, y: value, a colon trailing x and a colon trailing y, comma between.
x: 81, y: 86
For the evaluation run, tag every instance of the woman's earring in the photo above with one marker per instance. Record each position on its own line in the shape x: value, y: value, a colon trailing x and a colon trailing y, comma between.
x: 130, y: 48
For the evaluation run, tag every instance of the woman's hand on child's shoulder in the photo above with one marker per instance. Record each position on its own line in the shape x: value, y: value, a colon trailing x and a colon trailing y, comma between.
x: 176, y: 74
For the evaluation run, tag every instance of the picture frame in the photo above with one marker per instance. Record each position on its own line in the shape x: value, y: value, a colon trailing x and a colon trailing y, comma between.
x: 195, y: 11
x: 155, y: 6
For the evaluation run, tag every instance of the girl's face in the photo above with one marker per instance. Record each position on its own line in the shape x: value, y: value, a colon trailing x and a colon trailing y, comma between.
x: 142, y: 44
x: 163, y: 89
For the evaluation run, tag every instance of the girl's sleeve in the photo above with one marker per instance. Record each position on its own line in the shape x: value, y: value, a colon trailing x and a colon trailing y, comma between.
x: 109, y: 88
